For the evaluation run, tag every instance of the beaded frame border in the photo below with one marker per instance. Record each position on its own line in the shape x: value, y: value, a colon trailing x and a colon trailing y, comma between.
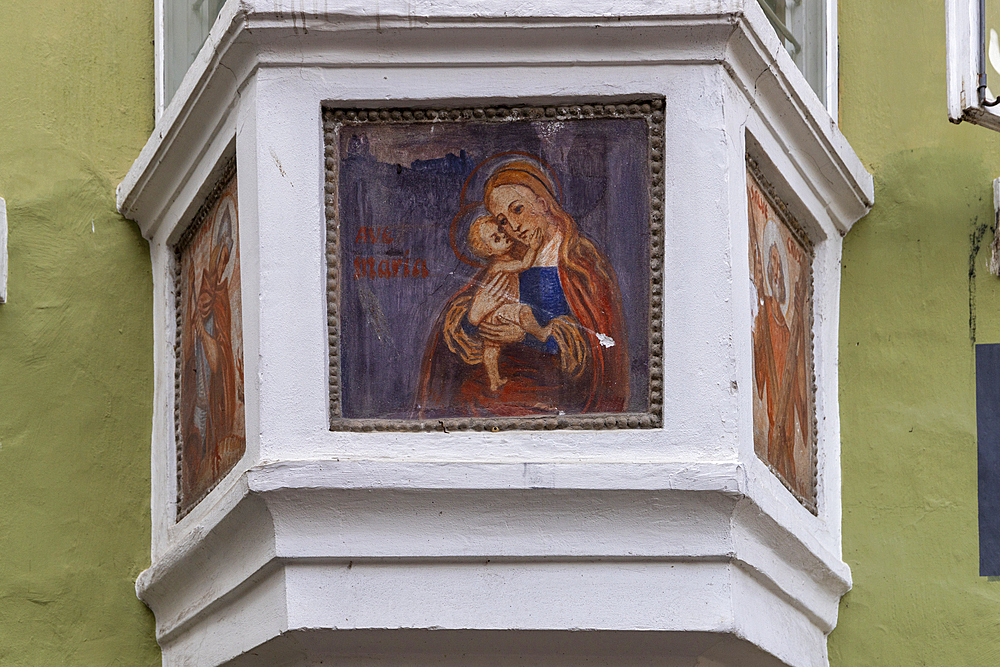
x: 781, y: 208
x: 648, y: 108
x: 228, y: 174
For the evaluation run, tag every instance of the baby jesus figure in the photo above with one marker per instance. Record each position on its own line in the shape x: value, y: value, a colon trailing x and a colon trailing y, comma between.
x: 488, y: 241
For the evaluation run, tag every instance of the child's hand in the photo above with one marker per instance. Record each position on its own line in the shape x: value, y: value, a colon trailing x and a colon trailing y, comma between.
x: 536, y: 240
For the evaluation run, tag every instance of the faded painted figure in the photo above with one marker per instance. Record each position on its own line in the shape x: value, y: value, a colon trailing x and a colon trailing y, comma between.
x: 212, y: 419
x: 538, y: 331
x: 488, y: 241
x: 783, y: 428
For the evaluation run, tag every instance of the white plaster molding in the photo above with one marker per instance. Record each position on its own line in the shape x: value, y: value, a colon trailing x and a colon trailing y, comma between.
x: 320, y: 543
x: 372, y: 522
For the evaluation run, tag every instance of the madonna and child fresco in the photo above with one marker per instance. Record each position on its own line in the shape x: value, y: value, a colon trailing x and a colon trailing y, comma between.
x: 212, y: 436
x: 494, y: 269
x: 782, y: 345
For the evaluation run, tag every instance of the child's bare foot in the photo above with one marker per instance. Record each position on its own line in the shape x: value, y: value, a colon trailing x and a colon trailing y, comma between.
x: 497, y: 385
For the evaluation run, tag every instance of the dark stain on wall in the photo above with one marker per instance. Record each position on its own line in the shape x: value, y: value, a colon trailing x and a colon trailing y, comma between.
x: 975, y: 243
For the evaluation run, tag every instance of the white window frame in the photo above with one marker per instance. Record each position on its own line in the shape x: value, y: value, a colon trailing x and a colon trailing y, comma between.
x: 832, y: 62
x: 966, y: 64
x: 158, y: 41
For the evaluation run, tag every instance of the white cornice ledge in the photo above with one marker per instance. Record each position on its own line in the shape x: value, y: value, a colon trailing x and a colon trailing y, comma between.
x: 251, y: 34
x: 326, y: 516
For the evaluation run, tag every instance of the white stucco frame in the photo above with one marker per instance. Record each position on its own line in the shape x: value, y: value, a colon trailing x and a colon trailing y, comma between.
x: 318, y: 540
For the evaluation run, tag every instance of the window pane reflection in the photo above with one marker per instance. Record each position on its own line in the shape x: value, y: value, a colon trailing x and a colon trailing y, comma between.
x: 185, y: 27
x: 801, y: 25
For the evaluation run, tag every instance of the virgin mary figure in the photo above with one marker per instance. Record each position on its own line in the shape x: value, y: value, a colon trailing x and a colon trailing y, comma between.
x: 582, y: 367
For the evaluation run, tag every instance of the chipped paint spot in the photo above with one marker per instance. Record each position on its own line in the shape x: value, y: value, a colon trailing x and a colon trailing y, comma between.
x: 605, y: 340
x: 281, y: 169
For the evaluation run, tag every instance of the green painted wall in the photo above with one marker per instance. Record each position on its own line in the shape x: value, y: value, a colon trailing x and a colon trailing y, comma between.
x: 76, y: 335
x: 914, y: 275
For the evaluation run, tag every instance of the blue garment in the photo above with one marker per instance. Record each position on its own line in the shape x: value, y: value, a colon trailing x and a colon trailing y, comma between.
x: 540, y: 288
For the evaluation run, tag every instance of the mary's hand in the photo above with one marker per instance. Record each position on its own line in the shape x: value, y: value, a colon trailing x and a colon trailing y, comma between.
x: 502, y: 334
x: 488, y: 298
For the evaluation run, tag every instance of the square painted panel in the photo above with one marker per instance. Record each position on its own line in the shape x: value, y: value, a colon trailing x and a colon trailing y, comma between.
x: 495, y: 268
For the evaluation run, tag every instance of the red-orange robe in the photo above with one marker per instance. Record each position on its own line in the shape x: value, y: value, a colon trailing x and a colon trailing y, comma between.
x: 213, y: 302
x: 780, y: 444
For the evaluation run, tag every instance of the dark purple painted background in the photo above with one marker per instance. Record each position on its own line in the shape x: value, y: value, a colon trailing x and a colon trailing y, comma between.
x: 407, y: 178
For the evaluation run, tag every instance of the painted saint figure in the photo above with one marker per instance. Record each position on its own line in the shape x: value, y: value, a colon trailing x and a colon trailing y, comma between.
x: 580, y: 362
x: 213, y: 346
x: 213, y: 433
x: 782, y: 376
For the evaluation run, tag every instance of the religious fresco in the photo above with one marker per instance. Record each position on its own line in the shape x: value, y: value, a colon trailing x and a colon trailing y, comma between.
x: 211, y: 426
x: 780, y: 261
x: 493, y: 269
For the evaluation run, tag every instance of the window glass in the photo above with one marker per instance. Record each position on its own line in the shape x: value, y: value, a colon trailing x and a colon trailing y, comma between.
x: 185, y: 27
x: 801, y: 25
